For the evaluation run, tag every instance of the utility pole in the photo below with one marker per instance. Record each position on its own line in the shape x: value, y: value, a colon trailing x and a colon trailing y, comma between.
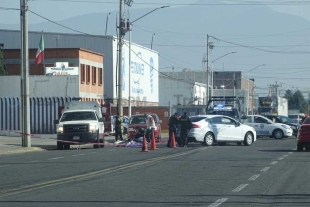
x: 21, y: 69
x: 120, y: 59
x: 26, y: 139
x: 234, y: 91
x: 208, y: 98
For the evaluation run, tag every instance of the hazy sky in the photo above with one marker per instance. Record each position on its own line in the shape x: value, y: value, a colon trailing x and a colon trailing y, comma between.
x: 59, y: 10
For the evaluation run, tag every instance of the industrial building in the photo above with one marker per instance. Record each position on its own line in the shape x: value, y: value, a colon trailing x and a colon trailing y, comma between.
x: 224, y: 83
x: 143, y: 65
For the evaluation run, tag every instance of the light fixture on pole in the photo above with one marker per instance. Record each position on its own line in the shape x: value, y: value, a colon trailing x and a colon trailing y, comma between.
x: 129, y: 28
x: 152, y: 41
x: 106, y: 24
x: 248, y: 97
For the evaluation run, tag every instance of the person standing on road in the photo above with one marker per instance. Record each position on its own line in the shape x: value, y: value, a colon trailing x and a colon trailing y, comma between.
x: 186, y: 125
x: 118, y: 127
x: 150, y: 127
x: 173, y: 124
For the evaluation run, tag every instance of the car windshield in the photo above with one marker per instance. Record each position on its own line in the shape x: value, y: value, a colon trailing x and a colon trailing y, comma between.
x: 307, y: 121
x: 77, y: 116
x: 285, y: 119
x: 196, y: 118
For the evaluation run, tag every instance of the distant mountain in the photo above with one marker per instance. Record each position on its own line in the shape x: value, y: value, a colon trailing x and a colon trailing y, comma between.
x: 189, y: 26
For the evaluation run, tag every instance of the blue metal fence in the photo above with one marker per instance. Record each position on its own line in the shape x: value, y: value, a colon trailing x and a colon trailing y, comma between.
x: 43, y: 112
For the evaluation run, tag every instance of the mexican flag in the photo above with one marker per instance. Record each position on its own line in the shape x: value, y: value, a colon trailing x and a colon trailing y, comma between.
x: 40, y: 52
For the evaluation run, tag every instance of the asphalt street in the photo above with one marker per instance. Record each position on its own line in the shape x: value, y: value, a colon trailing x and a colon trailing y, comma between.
x: 268, y: 173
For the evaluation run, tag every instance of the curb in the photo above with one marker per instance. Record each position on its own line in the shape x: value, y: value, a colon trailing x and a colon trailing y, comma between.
x: 22, y: 150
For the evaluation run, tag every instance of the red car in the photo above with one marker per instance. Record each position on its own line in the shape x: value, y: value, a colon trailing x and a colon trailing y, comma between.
x: 139, y: 120
x: 303, y: 137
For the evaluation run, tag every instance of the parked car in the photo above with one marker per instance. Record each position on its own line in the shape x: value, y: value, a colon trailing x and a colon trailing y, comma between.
x: 266, y: 127
x: 124, y: 124
x: 209, y: 129
x: 284, y: 120
x: 303, y: 137
x: 140, y: 121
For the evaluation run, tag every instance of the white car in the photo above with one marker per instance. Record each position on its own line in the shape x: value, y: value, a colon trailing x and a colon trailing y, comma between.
x: 209, y: 129
x: 266, y: 127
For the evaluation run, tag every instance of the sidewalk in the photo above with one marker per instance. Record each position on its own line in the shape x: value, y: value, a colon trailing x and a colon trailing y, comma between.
x: 39, y: 142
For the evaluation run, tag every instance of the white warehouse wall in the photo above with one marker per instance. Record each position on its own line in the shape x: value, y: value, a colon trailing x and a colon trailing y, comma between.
x: 41, y: 86
x: 174, y: 92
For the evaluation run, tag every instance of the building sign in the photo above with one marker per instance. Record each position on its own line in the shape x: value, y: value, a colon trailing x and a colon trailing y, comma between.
x: 62, y: 68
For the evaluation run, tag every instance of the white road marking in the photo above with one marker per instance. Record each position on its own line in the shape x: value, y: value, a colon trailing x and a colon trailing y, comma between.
x: 280, y: 158
x: 265, y: 169
x: 254, y: 177
x: 285, y: 155
x: 55, y: 158
x: 290, y: 152
x: 218, y: 202
x: 77, y: 155
x: 32, y: 161
x: 240, y: 187
x: 274, y: 162
x: 4, y: 165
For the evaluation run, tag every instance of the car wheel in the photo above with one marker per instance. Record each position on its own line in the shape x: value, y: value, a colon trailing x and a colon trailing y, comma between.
x: 239, y: 143
x: 222, y: 143
x: 209, y: 139
x: 307, y: 148
x: 96, y: 146
x: 60, y: 146
x: 248, y: 139
x: 278, y: 134
x: 101, y: 141
x: 299, y: 148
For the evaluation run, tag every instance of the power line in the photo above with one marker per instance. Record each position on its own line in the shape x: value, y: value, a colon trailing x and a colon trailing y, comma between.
x: 261, y: 3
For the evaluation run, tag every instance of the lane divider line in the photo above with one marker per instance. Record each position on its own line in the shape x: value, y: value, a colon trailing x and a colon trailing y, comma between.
x: 55, y: 158
x: 290, y: 152
x: 264, y: 169
x: 31, y: 161
x: 27, y: 188
x: 280, y: 158
x: 4, y: 165
x: 240, y: 187
x: 254, y: 177
x: 218, y: 202
x: 285, y: 155
x: 274, y: 162
x: 77, y: 155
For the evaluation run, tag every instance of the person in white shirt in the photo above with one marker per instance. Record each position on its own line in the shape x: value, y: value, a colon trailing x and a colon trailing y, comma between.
x: 150, y: 127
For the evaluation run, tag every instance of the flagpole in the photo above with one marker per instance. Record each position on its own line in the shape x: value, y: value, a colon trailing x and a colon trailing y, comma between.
x: 44, y: 69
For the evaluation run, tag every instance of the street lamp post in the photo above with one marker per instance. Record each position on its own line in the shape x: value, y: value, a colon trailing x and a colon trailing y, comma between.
x: 223, y: 86
x: 248, y: 97
x: 212, y: 78
x: 106, y: 24
x: 130, y: 71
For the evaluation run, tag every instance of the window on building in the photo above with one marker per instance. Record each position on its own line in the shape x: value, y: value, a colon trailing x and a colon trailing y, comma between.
x: 82, y: 73
x: 87, y: 74
x: 94, y: 73
x: 100, y: 77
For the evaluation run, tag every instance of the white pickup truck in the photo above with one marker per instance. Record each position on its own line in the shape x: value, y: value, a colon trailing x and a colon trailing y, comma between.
x: 80, y: 123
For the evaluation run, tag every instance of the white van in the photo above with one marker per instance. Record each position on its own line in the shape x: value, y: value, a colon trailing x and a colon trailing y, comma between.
x: 80, y: 123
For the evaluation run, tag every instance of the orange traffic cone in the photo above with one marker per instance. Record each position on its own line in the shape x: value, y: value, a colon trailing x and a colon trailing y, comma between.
x: 144, y: 145
x: 173, y: 144
x: 153, y: 143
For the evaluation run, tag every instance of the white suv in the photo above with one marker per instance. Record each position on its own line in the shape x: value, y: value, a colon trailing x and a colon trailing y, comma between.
x: 266, y: 127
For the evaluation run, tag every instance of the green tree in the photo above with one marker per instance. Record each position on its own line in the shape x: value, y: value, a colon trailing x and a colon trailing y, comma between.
x: 296, y: 101
x: 3, y: 70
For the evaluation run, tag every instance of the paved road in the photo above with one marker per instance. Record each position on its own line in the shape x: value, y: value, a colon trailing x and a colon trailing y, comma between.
x: 268, y: 173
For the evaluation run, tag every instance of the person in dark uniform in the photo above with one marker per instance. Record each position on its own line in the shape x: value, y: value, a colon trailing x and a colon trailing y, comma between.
x: 118, y: 127
x: 173, y: 124
x: 139, y: 132
x: 186, y: 125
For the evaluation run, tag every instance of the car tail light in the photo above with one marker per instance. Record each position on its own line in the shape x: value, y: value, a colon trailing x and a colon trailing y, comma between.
x: 196, y: 126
